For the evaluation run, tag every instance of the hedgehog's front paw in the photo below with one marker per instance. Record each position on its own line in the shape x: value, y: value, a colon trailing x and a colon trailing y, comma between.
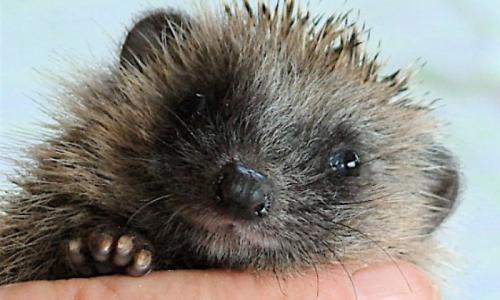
x: 104, y: 252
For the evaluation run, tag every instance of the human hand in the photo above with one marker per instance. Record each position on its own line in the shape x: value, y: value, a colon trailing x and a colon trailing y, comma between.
x: 379, y: 281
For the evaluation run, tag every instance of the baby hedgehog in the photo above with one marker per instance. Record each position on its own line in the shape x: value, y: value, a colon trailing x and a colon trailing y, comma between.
x: 252, y: 138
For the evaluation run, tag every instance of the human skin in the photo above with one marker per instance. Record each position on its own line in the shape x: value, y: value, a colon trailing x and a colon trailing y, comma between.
x: 380, y: 281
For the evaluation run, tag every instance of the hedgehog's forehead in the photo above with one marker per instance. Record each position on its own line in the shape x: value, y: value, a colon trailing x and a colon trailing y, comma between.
x: 240, y: 45
x: 279, y: 53
x: 295, y: 72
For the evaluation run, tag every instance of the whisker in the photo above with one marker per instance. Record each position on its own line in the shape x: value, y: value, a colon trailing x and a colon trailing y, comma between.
x: 144, y: 206
x: 354, y: 203
x: 346, y: 271
x: 361, y: 201
x: 382, y: 249
x: 317, y: 280
x: 276, y: 276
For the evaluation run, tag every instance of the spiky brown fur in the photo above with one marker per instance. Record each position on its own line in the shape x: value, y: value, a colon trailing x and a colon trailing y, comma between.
x: 288, y: 91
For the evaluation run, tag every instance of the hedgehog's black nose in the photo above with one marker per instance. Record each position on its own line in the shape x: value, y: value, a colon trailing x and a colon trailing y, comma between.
x: 244, y: 192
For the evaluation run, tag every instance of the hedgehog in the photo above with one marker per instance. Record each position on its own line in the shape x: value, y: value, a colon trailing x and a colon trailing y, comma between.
x: 248, y: 137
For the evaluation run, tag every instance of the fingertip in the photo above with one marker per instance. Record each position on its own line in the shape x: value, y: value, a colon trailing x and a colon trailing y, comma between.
x: 398, y: 281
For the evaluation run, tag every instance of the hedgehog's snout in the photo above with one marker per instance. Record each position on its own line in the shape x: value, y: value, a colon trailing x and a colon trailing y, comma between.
x: 244, y: 192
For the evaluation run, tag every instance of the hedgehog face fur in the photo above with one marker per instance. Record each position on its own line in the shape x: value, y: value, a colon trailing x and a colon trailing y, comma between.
x: 250, y: 139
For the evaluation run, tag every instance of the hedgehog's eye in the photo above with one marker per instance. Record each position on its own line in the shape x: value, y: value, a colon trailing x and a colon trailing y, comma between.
x: 345, y: 162
x: 192, y: 107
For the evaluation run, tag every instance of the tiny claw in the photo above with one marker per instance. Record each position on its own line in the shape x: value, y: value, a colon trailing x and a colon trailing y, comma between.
x: 141, y: 264
x: 75, y: 251
x: 124, y: 250
x: 100, y: 245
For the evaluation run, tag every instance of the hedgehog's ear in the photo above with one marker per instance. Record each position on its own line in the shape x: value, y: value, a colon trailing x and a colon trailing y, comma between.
x: 445, y: 187
x: 154, y: 30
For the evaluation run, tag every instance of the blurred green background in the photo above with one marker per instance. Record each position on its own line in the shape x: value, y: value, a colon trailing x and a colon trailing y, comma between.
x: 459, y: 40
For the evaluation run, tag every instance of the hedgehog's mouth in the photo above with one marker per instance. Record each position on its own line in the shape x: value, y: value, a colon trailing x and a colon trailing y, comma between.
x: 244, y: 231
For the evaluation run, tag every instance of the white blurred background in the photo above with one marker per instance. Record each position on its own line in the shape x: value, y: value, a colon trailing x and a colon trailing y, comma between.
x: 459, y: 40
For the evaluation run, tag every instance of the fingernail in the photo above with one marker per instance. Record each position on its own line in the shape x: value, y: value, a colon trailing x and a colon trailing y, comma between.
x: 393, y: 282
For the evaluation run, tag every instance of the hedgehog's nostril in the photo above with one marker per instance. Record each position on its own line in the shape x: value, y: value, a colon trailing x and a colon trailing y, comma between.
x: 262, y: 209
x: 244, y: 192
